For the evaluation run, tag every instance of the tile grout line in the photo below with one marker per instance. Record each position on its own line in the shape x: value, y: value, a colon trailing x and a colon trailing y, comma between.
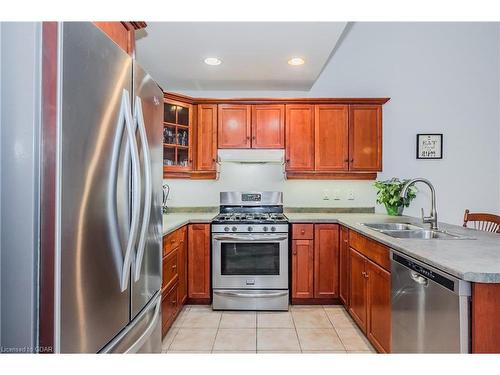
x: 335, y: 329
x: 177, y: 328
x: 217, y: 332
x: 355, y: 327
x: 296, y: 333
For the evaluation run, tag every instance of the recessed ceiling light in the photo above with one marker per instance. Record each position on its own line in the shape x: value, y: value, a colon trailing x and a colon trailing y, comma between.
x: 213, y: 61
x: 296, y: 61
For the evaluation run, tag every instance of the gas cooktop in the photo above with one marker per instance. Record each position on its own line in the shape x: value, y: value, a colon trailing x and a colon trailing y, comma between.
x: 250, y: 218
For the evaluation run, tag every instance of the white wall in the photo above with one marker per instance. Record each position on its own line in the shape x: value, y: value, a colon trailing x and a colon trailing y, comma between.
x: 442, y: 78
x: 296, y: 193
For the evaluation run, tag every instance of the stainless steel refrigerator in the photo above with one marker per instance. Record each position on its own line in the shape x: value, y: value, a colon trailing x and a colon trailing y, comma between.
x: 99, y: 197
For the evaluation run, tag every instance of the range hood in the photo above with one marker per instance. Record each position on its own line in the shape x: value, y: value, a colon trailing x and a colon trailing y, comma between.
x: 252, y: 156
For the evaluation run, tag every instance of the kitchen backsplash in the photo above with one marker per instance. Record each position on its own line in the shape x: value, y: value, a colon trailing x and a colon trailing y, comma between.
x: 265, y: 177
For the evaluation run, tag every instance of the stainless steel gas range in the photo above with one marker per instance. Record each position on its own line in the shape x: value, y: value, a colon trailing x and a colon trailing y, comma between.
x: 250, y: 252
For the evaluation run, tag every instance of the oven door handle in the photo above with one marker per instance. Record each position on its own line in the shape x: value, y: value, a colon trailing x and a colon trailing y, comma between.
x: 251, y: 295
x: 247, y: 238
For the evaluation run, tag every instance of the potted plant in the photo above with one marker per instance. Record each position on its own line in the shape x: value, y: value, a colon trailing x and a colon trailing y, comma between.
x: 388, y: 194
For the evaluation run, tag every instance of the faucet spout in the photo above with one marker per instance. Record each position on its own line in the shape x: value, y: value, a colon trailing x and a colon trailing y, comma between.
x: 432, y: 219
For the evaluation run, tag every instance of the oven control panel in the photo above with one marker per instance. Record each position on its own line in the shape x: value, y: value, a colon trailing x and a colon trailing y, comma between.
x: 251, y: 197
x: 250, y: 228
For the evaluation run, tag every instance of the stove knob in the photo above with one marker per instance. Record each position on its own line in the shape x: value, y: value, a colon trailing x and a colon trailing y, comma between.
x: 226, y: 229
x: 250, y: 229
x: 266, y: 229
x: 273, y: 229
x: 234, y: 229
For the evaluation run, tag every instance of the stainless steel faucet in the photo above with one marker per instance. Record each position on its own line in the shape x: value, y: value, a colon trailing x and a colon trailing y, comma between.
x: 433, y: 218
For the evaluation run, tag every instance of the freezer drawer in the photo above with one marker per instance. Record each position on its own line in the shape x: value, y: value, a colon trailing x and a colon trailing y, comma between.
x: 143, y: 334
x: 430, y: 309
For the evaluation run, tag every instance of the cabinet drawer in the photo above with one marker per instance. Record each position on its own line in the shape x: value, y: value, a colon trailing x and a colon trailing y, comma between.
x: 373, y: 250
x: 169, y: 308
x: 302, y: 231
x: 173, y: 240
x: 170, y: 269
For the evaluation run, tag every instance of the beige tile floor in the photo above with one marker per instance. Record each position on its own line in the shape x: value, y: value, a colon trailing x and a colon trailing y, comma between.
x: 302, y: 329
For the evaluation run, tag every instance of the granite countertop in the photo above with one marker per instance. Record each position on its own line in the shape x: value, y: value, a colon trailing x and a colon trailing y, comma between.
x: 475, y: 260
x: 173, y: 221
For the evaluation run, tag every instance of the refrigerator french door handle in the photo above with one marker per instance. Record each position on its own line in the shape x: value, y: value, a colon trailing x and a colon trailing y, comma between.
x: 136, y: 189
x: 148, y: 190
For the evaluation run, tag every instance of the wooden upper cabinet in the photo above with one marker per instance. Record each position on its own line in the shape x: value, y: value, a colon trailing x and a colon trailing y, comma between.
x: 234, y: 126
x: 365, y: 137
x: 122, y: 33
x: 206, y: 137
x: 331, y: 137
x: 268, y: 126
x: 379, y: 307
x: 302, y: 269
x: 326, y: 261
x: 344, y: 268
x: 299, y: 138
x: 199, y: 261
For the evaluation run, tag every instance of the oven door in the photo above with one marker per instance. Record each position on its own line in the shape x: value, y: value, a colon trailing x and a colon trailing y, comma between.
x: 250, y: 261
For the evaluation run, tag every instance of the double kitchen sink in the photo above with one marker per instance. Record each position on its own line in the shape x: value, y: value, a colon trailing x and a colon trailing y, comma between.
x: 410, y: 231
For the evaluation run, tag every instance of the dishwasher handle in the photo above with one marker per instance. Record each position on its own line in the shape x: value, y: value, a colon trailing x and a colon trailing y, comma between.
x: 419, y: 278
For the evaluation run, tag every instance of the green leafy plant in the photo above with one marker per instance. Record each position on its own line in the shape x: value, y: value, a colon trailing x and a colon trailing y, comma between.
x: 388, y: 194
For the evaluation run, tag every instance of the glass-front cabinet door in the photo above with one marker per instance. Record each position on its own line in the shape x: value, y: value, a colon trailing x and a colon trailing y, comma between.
x: 177, y: 133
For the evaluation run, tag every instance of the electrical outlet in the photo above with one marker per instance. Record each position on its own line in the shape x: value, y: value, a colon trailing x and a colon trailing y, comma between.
x: 336, y: 194
x: 350, y: 195
x: 326, y: 195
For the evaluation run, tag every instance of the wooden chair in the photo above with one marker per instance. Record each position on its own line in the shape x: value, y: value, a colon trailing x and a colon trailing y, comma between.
x: 481, y: 221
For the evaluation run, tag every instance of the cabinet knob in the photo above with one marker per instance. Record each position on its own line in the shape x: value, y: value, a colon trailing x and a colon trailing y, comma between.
x: 302, y: 231
x: 346, y: 160
x: 172, y: 241
x: 174, y: 267
x: 352, y: 160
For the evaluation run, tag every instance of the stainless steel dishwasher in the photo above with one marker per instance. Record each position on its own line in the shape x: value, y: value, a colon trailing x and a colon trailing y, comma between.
x: 430, y: 309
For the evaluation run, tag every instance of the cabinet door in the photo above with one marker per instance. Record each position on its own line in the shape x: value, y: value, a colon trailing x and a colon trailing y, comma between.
x: 268, y: 126
x: 206, y: 137
x: 170, y: 265
x: 365, y: 138
x: 357, y: 297
x: 326, y: 260
x: 182, y: 265
x: 234, y: 126
x: 331, y: 138
x: 199, y: 261
x: 302, y: 269
x: 169, y: 308
x: 379, y: 307
x: 299, y: 139
x: 344, y: 266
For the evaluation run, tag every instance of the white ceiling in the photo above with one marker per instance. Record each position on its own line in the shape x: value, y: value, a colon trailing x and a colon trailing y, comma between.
x: 254, y: 54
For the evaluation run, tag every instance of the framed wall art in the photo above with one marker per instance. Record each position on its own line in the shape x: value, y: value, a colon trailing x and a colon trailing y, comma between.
x: 429, y: 146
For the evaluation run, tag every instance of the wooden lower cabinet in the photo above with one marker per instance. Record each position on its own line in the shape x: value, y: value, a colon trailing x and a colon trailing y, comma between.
x: 326, y: 261
x: 315, y: 263
x: 302, y: 269
x: 378, y: 307
x: 370, y: 300
x: 169, y: 308
x: 198, y: 263
x: 174, y: 276
x: 183, y: 266
x: 344, y: 268
x: 357, y: 298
